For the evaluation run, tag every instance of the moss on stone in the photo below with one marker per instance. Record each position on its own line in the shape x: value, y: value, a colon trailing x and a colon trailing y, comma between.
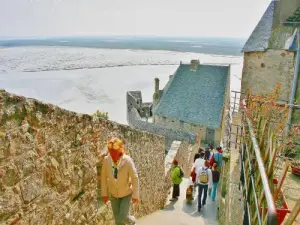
x: 43, y: 108
x: 18, y: 116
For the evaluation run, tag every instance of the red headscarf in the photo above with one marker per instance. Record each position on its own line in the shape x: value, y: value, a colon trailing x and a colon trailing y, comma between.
x: 115, y: 148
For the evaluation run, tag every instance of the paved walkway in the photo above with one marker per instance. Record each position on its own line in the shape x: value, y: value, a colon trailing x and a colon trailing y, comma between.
x: 180, y: 213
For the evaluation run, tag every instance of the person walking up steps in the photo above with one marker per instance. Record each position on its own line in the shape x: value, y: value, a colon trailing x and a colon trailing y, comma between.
x: 176, y: 176
x: 217, y: 157
x: 215, y: 178
x: 207, y: 154
x: 119, y: 180
x: 204, y: 180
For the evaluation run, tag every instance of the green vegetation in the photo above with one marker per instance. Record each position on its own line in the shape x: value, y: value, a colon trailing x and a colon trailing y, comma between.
x: 78, y: 196
x: 102, y: 115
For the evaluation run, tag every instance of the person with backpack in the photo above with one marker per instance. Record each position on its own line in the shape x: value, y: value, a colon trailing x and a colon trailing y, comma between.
x: 200, y: 161
x: 176, y: 175
x: 215, y: 178
x: 119, y: 182
x: 204, y: 180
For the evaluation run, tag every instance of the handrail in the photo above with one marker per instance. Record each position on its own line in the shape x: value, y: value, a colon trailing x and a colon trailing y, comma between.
x: 272, y: 215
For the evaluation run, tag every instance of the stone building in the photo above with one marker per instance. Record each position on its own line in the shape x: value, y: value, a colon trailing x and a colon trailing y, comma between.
x: 195, y: 100
x: 134, y: 100
x: 269, y: 55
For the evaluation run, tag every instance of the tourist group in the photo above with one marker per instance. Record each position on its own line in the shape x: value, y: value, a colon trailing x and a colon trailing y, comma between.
x: 205, y: 176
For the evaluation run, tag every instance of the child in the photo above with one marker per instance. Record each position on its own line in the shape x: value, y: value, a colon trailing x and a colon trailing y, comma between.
x: 216, y: 178
x: 189, y: 193
x: 193, y: 175
x: 177, y: 176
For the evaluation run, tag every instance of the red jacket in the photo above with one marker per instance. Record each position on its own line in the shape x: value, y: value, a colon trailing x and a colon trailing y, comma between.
x: 193, y: 175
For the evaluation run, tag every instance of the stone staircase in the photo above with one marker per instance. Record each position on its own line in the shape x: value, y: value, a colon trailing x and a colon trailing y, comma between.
x: 181, y: 213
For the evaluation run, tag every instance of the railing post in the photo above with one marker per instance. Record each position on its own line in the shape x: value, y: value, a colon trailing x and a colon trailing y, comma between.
x: 234, y: 102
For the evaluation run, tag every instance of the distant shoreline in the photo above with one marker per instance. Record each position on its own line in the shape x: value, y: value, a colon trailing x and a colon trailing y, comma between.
x: 212, y: 46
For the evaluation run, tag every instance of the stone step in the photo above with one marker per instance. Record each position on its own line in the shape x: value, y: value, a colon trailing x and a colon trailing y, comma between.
x: 181, y: 213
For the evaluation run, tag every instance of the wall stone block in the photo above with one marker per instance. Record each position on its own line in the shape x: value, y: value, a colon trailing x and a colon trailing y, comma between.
x: 9, y: 205
x: 11, y: 175
x: 31, y: 187
x: 26, y: 164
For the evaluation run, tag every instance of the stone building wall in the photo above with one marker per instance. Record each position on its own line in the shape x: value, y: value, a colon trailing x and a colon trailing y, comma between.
x: 175, y: 124
x: 135, y: 120
x: 50, y: 164
x: 262, y: 70
x: 196, y: 129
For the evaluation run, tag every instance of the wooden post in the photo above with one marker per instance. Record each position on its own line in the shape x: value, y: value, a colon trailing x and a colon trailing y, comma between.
x: 234, y: 102
x: 236, y: 136
x: 294, y: 214
x: 279, y: 185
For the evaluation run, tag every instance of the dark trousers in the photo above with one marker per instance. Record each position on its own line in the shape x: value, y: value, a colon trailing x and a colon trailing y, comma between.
x: 176, y: 191
x: 202, y: 188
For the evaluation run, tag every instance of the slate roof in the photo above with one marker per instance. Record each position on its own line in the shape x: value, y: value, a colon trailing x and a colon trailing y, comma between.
x: 195, y: 97
x: 269, y: 33
x: 295, y: 17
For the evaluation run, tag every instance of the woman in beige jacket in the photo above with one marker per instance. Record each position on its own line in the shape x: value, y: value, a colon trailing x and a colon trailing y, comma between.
x: 119, y: 181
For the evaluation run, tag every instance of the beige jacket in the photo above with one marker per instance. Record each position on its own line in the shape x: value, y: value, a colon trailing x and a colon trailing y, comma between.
x: 127, y: 181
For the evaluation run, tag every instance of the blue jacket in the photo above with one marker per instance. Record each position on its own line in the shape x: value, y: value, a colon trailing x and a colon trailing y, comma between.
x: 218, y: 157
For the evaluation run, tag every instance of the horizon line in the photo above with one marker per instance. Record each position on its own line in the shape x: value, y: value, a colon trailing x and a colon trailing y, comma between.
x: 110, y: 35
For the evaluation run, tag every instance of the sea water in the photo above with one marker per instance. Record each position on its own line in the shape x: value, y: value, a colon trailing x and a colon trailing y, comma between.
x: 86, y: 79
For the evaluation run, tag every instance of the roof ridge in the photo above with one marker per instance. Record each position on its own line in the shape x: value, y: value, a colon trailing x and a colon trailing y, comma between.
x: 258, y: 40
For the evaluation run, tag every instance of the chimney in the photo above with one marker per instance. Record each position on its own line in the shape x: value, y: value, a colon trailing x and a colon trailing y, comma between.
x: 194, y: 64
x: 156, y: 92
x: 156, y: 85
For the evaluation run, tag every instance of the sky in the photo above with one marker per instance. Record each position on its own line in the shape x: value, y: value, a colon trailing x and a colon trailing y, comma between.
x: 202, y: 18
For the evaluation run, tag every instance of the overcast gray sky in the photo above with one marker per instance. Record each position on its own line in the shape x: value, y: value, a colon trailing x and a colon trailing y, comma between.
x: 227, y: 18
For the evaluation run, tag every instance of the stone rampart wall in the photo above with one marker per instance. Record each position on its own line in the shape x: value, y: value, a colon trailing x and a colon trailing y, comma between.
x: 50, y: 164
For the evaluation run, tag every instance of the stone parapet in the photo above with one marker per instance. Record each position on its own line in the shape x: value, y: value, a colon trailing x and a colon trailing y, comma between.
x: 51, y: 158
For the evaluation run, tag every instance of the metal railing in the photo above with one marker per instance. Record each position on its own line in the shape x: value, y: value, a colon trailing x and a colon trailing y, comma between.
x: 229, y: 131
x: 258, y: 203
x: 257, y: 200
